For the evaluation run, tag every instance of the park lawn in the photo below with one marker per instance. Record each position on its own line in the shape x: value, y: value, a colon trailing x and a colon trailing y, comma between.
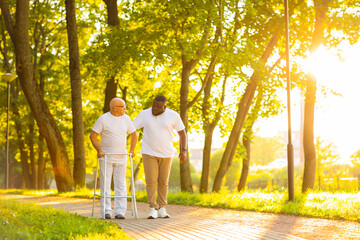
x: 331, y: 205
x: 31, y: 221
x: 312, y: 204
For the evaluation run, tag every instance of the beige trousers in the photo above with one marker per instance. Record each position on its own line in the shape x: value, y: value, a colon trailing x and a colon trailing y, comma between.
x: 157, y: 171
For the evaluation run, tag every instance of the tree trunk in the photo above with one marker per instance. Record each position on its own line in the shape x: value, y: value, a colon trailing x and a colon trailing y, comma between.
x: 41, y: 164
x: 246, y: 163
x: 75, y: 77
x: 30, y: 138
x: 185, y: 173
x: 243, y: 108
x: 41, y: 160
x: 25, y: 169
x: 124, y: 93
x: 246, y: 139
x: 321, y: 9
x: 209, y: 127
x: 111, y: 85
x: 24, y: 157
x: 309, y: 146
x: 204, y: 182
x: 112, y: 12
x: 230, y: 149
x: 110, y: 93
x: 20, y: 37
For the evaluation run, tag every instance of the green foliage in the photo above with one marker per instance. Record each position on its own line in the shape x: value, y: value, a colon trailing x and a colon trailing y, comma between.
x: 232, y: 175
x: 326, y: 167
x: 355, y: 159
x: 266, y: 149
x: 325, y: 154
x: 259, y: 179
x: 174, y: 178
x: 272, y: 179
x: 31, y: 221
x: 338, y: 177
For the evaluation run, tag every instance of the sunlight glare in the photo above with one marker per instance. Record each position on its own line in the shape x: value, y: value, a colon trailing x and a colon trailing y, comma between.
x: 331, y: 70
x: 326, y: 67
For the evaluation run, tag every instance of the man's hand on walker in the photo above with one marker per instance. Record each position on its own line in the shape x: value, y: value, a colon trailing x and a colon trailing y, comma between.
x: 100, y: 154
x: 132, y: 154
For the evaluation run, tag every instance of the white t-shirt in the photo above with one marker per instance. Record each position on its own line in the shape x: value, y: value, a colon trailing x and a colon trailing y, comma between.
x: 158, y: 132
x: 113, y: 131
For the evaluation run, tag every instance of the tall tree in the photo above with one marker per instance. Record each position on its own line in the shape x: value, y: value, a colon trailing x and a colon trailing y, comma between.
x: 227, y: 38
x: 24, y: 157
x: 111, y: 84
x: 265, y: 105
x: 243, y: 108
x: 189, y: 61
x: 246, y: 141
x: 41, y: 159
x: 264, y: 40
x: 76, y: 103
x: 19, y: 34
x: 190, y: 27
x: 209, y: 125
x: 321, y: 10
x: 26, y: 180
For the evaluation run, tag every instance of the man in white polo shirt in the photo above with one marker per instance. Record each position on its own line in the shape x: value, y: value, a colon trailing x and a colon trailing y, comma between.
x: 157, y: 151
x: 113, y: 127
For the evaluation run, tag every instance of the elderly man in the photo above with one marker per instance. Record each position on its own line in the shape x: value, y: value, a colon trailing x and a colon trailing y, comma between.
x: 113, y: 127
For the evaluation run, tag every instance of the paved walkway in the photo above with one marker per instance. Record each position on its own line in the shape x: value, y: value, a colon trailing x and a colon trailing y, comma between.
x: 183, y: 223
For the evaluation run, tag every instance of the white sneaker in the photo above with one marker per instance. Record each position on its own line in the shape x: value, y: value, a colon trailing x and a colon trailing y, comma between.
x: 153, y: 213
x: 162, y: 213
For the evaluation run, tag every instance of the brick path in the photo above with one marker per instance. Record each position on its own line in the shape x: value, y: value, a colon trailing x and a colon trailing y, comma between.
x: 185, y: 228
x: 183, y: 223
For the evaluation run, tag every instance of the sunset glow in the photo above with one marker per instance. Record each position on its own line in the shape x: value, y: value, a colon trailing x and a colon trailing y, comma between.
x: 337, y: 117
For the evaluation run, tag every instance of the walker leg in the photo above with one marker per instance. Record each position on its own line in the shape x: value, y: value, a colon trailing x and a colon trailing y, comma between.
x: 104, y: 189
x: 133, y: 199
x: 104, y: 196
x: 97, y: 168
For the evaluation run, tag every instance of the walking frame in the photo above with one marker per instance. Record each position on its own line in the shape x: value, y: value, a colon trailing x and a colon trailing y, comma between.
x: 103, y: 197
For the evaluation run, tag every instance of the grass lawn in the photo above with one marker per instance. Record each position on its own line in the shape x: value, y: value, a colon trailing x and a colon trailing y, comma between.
x: 31, y: 221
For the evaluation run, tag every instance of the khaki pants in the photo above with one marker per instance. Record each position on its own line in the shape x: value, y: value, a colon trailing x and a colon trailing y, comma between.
x: 157, y: 171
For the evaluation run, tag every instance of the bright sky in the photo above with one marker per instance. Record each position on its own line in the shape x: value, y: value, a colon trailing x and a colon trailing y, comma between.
x: 337, y: 118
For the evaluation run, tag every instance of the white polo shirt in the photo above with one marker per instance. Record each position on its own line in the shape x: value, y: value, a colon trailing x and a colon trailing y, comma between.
x: 113, y: 131
x: 158, y: 135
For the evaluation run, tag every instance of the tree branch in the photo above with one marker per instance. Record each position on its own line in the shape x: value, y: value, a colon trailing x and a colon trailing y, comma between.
x: 7, y: 18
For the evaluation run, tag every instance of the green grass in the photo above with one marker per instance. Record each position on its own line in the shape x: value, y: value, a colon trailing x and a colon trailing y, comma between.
x: 329, y: 205
x: 311, y: 204
x: 31, y: 221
